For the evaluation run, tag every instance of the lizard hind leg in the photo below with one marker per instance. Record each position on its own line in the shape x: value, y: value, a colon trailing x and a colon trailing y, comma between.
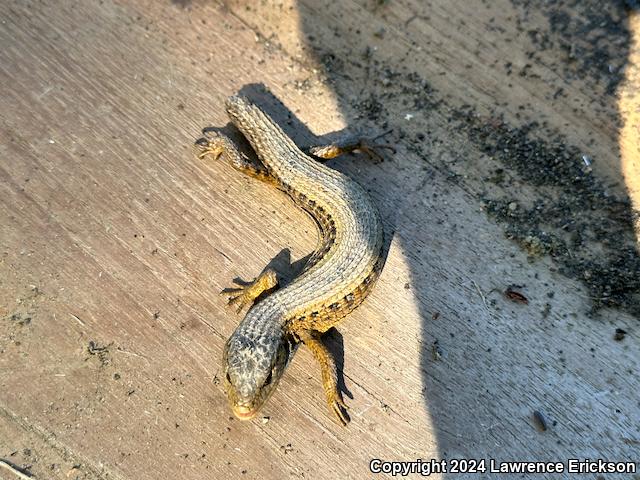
x: 249, y: 293
x: 311, y: 338
x: 216, y: 144
x: 366, y: 145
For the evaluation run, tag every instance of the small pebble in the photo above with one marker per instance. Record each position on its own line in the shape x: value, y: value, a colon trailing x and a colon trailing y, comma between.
x: 620, y: 334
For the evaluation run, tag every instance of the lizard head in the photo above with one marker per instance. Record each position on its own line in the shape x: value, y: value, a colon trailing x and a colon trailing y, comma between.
x: 253, y: 366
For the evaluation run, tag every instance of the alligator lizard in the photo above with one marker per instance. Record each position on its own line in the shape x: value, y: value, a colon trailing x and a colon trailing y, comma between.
x: 335, y: 280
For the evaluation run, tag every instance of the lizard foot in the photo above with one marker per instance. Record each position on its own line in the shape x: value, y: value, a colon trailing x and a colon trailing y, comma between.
x: 244, y: 295
x: 215, y: 144
x: 212, y: 143
x: 328, y: 372
x: 371, y: 149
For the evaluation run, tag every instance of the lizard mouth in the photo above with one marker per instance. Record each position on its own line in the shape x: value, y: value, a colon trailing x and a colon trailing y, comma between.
x: 244, y: 413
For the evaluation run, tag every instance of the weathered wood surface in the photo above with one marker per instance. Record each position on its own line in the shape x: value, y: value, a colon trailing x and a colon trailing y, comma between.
x: 115, y: 240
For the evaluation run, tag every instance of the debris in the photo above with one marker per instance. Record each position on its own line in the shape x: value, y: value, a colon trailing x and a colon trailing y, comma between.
x: 620, y: 334
x: 102, y: 351
x: 436, y: 351
x: 540, y: 420
x: 515, y: 296
x: 94, y: 348
x: 286, y: 448
x: 380, y: 32
x: 77, y: 319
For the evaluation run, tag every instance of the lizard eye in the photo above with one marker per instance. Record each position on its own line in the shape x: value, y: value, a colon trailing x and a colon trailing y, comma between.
x: 269, y: 378
x: 228, y: 377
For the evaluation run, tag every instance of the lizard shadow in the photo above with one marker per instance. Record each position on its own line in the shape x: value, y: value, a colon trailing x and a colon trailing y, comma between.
x: 478, y: 386
x: 477, y: 390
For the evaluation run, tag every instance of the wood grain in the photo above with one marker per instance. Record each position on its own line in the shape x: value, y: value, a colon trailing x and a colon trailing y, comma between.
x: 115, y: 241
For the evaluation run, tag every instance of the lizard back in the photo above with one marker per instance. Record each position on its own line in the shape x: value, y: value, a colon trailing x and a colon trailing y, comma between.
x: 348, y: 260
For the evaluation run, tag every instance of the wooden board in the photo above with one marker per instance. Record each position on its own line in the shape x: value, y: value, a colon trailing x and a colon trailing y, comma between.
x: 115, y: 239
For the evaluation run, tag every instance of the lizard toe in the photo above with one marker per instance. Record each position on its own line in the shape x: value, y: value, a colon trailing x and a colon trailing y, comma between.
x: 340, y: 413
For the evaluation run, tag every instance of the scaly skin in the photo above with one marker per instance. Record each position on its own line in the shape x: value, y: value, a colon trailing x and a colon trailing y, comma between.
x: 335, y: 280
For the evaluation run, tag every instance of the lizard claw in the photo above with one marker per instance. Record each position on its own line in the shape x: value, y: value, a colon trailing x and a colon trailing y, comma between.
x: 370, y: 147
x: 371, y: 151
x: 206, y: 146
x: 237, y: 297
x: 340, y: 410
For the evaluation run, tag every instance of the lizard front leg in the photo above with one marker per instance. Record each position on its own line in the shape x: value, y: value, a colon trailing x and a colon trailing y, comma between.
x: 247, y: 294
x: 216, y: 144
x: 311, y: 338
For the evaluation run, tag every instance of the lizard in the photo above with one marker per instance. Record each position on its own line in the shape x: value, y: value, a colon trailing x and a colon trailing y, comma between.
x: 335, y: 280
